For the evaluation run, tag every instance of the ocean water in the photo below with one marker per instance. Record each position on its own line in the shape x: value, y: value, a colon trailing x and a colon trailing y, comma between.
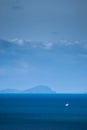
x: 43, y: 112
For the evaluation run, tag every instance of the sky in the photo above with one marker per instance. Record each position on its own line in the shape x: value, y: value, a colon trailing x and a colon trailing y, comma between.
x: 43, y: 42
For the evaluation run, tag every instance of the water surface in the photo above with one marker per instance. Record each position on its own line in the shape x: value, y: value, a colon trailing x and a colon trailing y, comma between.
x: 43, y: 112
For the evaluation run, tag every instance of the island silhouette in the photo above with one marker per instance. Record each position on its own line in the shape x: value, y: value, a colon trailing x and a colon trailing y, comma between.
x: 40, y: 89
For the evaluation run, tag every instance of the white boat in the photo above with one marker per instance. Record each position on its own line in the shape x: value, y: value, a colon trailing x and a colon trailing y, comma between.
x: 67, y: 105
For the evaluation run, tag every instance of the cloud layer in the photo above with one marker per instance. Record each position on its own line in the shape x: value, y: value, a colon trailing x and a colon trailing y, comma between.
x: 42, y: 44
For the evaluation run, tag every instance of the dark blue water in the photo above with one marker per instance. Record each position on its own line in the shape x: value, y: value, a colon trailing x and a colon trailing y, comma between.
x: 43, y: 112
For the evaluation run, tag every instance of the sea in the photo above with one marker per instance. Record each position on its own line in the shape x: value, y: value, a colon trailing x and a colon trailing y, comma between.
x: 43, y: 112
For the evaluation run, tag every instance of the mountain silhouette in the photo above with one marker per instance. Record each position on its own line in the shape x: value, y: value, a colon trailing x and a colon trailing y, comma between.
x: 40, y: 89
x: 9, y: 91
x: 34, y: 90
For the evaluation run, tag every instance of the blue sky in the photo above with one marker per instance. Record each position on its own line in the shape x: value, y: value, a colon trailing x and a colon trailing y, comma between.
x: 43, y: 42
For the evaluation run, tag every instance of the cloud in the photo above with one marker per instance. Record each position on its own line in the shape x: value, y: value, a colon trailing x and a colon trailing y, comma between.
x: 17, y: 41
x: 48, y: 45
x: 69, y: 42
x: 45, y: 44
x: 33, y: 44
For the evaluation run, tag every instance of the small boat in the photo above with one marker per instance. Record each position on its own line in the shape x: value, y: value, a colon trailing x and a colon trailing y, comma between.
x: 67, y: 105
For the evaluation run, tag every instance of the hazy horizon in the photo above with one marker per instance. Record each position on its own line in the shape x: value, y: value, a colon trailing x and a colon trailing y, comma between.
x: 10, y: 90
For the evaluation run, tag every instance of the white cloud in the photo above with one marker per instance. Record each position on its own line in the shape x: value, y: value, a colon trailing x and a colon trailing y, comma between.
x: 69, y: 42
x: 17, y: 41
x: 33, y: 44
x: 48, y: 45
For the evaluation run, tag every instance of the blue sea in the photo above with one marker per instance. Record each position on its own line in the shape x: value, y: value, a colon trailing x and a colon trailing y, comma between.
x: 43, y: 112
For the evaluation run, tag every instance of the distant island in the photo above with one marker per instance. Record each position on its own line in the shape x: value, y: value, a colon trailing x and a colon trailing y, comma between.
x: 34, y: 90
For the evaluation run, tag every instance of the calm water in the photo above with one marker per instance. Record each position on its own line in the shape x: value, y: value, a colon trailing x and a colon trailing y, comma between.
x: 43, y: 112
